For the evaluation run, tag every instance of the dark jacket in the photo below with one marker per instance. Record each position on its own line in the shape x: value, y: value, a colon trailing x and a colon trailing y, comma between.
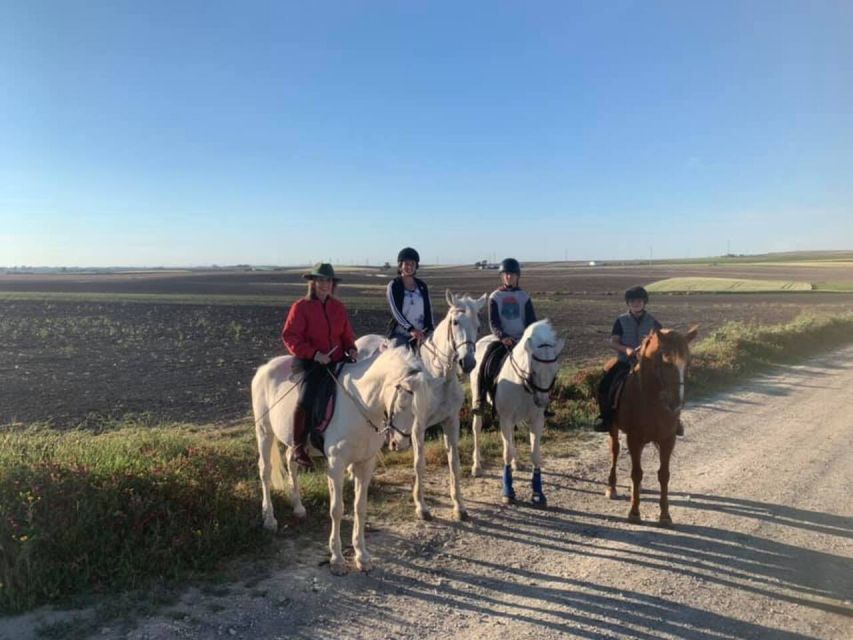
x: 395, y: 301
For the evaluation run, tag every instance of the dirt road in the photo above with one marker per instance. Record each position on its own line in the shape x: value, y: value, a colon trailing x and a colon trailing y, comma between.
x: 762, y: 545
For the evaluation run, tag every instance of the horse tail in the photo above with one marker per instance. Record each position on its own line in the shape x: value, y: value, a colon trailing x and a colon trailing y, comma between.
x: 263, y: 429
x: 277, y: 476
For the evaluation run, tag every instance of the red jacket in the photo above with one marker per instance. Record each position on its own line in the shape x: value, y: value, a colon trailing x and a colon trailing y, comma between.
x: 313, y: 326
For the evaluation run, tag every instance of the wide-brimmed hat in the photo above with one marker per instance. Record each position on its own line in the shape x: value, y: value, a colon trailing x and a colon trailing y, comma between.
x: 321, y: 270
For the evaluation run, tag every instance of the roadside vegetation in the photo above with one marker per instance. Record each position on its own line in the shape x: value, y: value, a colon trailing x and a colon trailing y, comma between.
x: 136, y: 504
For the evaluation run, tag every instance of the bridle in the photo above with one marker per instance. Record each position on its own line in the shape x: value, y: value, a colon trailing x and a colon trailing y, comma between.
x: 389, y: 418
x: 527, y: 378
x: 448, y: 360
x: 659, y: 363
x: 388, y: 422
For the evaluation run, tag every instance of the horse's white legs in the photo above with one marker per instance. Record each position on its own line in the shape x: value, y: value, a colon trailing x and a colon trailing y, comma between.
x: 508, y: 492
x: 420, y: 470
x: 268, y: 456
x: 451, y: 444
x: 335, y: 474
x: 476, y: 427
x: 295, y: 494
x: 362, y: 473
x: 537, y: 426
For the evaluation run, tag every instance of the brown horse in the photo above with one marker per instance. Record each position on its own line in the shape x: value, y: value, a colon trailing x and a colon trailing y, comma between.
x: 649, y: 410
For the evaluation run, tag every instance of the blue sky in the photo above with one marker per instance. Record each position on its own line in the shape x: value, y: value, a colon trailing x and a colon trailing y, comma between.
x: 192, y: 133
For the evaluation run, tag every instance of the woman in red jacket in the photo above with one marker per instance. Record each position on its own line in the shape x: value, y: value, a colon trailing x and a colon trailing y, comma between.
x: 319, y: 335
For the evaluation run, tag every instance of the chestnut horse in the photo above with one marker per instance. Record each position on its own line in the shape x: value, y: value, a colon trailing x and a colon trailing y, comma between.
x: 649, y: 410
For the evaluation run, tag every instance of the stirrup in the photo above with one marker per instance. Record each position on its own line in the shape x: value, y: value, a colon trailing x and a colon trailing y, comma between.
x: 301, y: 457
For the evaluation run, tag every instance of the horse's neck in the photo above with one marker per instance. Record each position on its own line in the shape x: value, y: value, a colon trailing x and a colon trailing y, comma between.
x: 367, y: 387
x: 438, y: 359
x: 515, y: 364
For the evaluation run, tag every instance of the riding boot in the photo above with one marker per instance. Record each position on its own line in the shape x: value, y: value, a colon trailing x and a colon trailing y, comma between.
x: 300, y: 435
x: 679, y: 430
x: 602, y: 423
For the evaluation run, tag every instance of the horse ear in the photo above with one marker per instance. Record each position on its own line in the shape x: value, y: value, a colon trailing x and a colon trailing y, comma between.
x: 451, y: 299
x: 692, y: 332
x: 561, y: 342
x: 481, y: 301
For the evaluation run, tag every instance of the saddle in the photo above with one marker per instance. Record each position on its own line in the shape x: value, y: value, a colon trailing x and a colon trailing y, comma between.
x: 321, y: 412
x: 490, y: 370
x: 617, y: 385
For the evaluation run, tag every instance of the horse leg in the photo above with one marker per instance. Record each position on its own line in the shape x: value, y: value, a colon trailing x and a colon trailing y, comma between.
x: 267, y: 450
x: 476, y: 426
x: 508, y: 493
x: 420, y: 469
x: 537, y: 426
x: 335, y: 474
x: 451, y: 444
x: 362, y: 473
x: 636, y: 450
x: 663, y: 477
x: 295, y: 494
x: 610, y: 492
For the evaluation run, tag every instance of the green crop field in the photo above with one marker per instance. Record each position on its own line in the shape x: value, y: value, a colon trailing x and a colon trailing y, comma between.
x: 726, y: 285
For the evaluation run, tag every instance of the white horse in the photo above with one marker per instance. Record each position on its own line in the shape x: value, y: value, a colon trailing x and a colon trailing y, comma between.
x: 386, y: 395
x: 522, y: 393
x: 447, y: 352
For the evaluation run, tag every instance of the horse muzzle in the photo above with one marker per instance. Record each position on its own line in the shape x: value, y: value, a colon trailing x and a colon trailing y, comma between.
x: 541, y: 400
x: 467, y: 363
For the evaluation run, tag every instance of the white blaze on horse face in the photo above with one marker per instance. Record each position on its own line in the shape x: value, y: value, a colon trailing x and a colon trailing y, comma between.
x: 681, y: 369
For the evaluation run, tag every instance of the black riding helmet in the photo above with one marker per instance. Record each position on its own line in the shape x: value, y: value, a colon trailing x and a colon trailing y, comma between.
x: 636, y: 293
x: 407, y: 253
x: 510, y: 265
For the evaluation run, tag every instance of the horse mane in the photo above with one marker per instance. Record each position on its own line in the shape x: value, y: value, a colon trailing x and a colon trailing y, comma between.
x: 397, y: 359
x: 540, y: 333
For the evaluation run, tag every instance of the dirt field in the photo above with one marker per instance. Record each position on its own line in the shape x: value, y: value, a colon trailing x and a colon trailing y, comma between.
x: 78, y: 360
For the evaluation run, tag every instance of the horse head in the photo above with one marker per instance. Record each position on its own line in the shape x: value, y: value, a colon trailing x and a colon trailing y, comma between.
x: 406, y: 399
x: 543, y: 347
x: 662, y: 367
x: 462, y: 325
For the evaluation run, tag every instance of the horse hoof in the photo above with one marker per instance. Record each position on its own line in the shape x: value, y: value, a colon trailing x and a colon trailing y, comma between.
x: 508, y: 499
x: 424, y: 515
x: 611, y: 493
x: 338, y: 568
x: 665, y: 521
x: 476, y: 472
x: 539, y: 500
x: 299, y: 512
x: 634, y: 518
x: 271, y: 524
x: 460, y: 515
x: 365, y: 566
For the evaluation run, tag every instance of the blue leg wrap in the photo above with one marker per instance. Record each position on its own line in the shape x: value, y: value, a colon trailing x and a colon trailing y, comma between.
x: 538, y: 497
x: 537, y: 481
x: 508, y: 491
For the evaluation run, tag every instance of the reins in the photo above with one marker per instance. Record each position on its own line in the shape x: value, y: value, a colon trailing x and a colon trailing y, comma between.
x: 447, y: 360
x: 389, y: 419
x: 527, y: 376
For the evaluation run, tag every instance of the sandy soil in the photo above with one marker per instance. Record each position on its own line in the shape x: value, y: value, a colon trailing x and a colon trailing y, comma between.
x: 762, y: 545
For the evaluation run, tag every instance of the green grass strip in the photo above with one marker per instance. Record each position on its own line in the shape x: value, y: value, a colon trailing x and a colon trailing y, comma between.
x: 726, y: 285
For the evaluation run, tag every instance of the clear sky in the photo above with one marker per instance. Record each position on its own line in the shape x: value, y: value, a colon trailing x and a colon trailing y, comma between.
x: 180, y: 133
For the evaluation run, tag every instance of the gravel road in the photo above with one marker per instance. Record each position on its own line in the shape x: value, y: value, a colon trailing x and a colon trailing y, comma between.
x: 762, y: 545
